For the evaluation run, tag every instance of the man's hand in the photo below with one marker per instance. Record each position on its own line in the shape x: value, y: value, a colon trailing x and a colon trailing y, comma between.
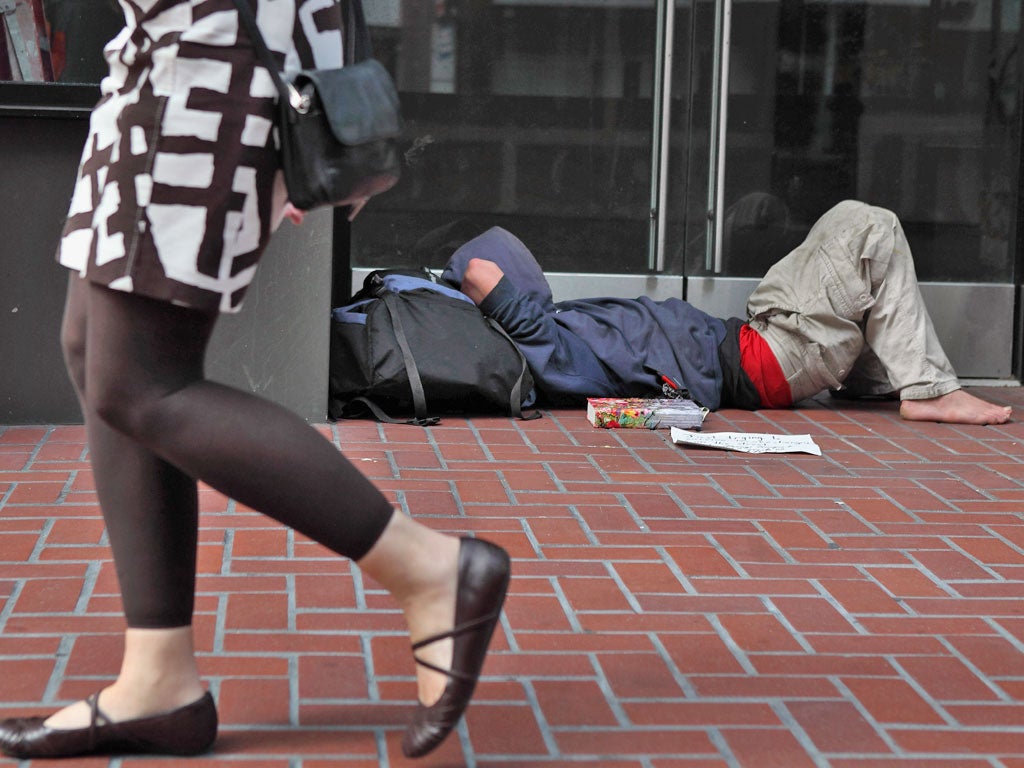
x: 480, y: 278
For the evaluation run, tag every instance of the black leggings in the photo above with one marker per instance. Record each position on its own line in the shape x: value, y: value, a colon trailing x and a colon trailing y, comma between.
x: 155, y: 426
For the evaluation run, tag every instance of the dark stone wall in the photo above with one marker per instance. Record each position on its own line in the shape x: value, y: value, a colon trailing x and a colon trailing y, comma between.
x: 277, y: 346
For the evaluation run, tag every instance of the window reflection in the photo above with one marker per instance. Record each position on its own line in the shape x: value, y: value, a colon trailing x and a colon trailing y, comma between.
x: 907, y: 104
x: 56, y: 40
x: 535, y: 115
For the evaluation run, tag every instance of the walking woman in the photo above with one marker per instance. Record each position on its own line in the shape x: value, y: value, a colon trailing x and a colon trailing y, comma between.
x: 177, y: 195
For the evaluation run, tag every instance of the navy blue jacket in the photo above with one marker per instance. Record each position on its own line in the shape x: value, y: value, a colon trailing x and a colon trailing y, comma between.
x: 602, y: 347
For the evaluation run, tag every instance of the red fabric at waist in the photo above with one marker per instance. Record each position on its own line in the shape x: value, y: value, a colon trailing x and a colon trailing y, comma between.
x: 759, y: 363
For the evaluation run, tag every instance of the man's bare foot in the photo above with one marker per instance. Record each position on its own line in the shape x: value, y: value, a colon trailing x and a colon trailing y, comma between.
x: 956, y: 407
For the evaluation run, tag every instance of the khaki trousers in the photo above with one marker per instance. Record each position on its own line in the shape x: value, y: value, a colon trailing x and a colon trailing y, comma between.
x: 844, y: 311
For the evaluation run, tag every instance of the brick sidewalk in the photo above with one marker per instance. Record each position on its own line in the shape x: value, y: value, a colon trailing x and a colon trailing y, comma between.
x: 670, y: 607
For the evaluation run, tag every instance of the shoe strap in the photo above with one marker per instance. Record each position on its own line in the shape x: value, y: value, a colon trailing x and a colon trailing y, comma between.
x: 449, y: 672
x: 97, y: 717
x: 462, y: 629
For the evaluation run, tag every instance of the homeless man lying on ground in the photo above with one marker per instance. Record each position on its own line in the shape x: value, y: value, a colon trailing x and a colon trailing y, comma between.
x: 842, y: 311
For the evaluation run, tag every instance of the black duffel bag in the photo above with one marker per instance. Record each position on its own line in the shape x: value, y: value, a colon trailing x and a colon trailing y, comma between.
x: 406, y: 344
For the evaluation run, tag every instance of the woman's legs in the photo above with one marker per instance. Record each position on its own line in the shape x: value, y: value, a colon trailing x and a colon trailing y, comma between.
x: 144, y: 378
x: 156, y: 504
x: 158, y: 509
x: 138, y: 364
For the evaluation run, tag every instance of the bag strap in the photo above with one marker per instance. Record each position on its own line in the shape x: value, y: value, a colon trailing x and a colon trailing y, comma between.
x: 381, y: 415
x: 419, y: 398
x: 266, y: 57
x: 515, y: 400
x: 357, y: 44
x: 515, y: 405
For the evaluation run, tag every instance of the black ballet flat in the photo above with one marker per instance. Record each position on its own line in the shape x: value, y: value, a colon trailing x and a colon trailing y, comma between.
x: 484, y: 572
x: 190, y: 730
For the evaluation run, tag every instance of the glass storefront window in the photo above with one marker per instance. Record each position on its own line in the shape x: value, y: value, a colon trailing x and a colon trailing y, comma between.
x: 911, y: 105
x: 534, y: 116
x: 538, y: 115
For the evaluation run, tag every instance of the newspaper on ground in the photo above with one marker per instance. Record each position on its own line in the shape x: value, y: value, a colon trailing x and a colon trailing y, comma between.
x: 747, y: 442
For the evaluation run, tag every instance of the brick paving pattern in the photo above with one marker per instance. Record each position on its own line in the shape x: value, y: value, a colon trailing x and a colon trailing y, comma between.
x: 670, y: 607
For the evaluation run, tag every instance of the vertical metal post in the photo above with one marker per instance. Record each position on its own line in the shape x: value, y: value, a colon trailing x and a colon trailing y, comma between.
x: 716, y: 141
x: 661, y: 134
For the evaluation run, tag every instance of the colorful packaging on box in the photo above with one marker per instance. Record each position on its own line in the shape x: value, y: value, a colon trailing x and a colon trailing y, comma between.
x: 646, y: 413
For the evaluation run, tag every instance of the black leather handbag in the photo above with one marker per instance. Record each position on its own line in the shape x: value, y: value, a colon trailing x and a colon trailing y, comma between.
x: 338, y: 128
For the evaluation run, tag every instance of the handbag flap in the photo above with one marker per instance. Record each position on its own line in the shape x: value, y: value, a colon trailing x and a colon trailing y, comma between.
x: 360, y: 101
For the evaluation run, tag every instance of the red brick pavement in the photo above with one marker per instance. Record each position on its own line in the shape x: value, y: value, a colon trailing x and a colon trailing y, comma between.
x: 671, y: 607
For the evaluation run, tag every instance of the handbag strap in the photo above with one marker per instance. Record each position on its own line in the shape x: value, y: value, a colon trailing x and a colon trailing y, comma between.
x: 357, y: 44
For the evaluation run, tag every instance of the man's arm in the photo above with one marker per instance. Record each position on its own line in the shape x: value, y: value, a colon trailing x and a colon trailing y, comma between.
x: 561, y: 362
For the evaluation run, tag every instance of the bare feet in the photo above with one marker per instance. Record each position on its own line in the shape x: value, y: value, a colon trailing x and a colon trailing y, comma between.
x: 957, y: 407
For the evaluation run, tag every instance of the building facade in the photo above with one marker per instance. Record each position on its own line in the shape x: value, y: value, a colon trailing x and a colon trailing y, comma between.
x: 669, y: 148
x: 680, y: 148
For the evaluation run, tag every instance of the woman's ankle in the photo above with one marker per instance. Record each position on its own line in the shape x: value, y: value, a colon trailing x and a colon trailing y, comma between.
x: 158, y: 674
x: 411, y: 560
x: 420, y: 568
